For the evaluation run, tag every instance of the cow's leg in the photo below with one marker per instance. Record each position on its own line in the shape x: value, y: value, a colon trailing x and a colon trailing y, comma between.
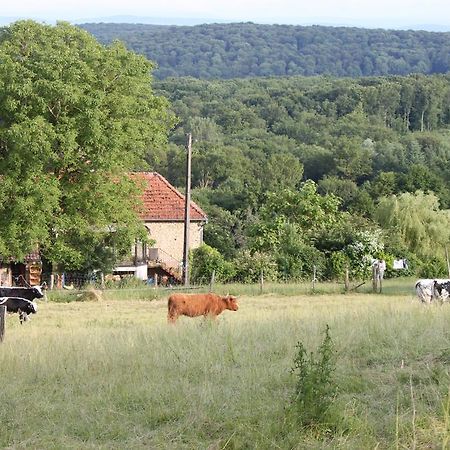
x: 171, y: 318
x: 21, y: 319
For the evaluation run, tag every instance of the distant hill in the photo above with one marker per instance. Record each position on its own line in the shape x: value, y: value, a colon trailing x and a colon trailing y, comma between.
x: 215, y: 51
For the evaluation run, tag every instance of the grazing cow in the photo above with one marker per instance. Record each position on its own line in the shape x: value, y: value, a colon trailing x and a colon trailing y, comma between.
x: 193, y: 305
x: 442, y: 289
x: 19, y: 305
x: 30, y: 293
x: 428, y: 290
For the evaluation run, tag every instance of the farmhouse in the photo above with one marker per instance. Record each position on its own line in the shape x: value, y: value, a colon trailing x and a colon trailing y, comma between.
x: 25, y: 273
x: 163, y: 215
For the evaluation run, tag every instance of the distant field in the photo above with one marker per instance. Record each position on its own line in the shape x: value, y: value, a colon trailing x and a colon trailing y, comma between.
x: 113, y: 375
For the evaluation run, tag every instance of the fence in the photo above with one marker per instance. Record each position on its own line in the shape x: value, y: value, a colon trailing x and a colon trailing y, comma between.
x: 2, y: 322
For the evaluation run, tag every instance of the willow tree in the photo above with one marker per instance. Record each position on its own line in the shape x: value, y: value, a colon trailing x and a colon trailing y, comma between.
x: 75, y: 118
x: 417, y: 220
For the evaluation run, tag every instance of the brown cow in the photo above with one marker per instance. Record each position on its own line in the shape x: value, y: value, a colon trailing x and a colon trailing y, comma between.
x: 194, y: 305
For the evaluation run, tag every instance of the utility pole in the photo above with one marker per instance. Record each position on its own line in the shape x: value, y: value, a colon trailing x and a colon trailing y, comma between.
x: 187, y: 210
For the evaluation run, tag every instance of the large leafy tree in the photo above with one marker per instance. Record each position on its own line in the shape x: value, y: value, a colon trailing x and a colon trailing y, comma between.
x: 417, y: 221
x: 75, y: 118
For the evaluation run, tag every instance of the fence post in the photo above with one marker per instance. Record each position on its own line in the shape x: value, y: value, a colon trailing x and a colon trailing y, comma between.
x: 448, y: 261
x: 2, y: 322
x: 314, y: 279
x: 346, y: 280
x: 374, y: 277
x: 261, y: 281
x: 211, y: 283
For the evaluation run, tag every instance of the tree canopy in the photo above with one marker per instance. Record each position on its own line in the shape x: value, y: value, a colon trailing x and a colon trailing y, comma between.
x: 260, y: 143
x: 75, y: 118
x: 238, y: 50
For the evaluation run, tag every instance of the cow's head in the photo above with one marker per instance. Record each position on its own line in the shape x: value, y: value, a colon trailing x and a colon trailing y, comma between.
x: 33, y: 308
x: 37, y: 291
x: 29, y: 308
x: 231, y: 302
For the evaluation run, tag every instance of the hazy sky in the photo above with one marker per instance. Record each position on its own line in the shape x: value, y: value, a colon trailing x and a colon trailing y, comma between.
x: 267, y: 11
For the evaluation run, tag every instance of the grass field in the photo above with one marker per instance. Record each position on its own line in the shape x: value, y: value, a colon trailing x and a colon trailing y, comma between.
x: 113, y: 375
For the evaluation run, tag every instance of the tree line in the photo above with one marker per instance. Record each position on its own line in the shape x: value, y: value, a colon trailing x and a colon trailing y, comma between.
x: 236, y: 50
x: 300, y: 172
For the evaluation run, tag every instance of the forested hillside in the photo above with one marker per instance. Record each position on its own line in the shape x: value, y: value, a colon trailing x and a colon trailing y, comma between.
x: 367, y: 149
x: 248, y: 49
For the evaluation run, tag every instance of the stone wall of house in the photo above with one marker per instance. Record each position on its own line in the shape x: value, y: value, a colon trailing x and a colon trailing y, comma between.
x: 169, y: 237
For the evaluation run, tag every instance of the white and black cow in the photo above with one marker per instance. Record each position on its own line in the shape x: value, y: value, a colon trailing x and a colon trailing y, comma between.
x: 29, y: 293
x: 19, y: 305
x: 429, y: 290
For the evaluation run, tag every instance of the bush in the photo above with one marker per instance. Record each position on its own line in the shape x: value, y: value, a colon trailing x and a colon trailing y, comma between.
x: 315, y: 390
x: 249, y: 265
x: 336, y: 265
x: 361, y: 251
x: 433, y: 268
x: 296, y: 259
x: 205, y: 260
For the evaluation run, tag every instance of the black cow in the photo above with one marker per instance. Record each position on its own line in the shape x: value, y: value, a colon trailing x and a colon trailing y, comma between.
x: 30, y: 293
x: 19, y: 305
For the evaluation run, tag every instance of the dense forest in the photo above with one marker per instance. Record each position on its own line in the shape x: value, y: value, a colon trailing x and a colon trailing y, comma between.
x: 294, y: 169
x: 215, y: 51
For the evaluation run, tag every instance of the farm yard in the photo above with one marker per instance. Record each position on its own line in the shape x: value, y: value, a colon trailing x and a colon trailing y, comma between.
x: 112, y: 374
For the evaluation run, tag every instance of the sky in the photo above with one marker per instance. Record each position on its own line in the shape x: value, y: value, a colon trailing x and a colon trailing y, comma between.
x: 379, y: 13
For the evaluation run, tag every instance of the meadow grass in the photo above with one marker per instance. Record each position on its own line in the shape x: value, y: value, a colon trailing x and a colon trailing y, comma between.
x: 390, y: 287
x: 112, y: 374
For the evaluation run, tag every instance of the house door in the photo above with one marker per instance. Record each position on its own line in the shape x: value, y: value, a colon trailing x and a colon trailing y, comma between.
x: 19, y: 272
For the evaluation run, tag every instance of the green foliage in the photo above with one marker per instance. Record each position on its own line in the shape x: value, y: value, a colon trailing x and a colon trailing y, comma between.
x: 296, y: 258
x: 306, y: 207
x: 361, y: 251
x: 205, y: 260
x: 417, y: 220
x: 316, y: 388
x: 338, y: 262
x: 250, y: 265
x: 433, y: 267
x: 240, y: 50
x: 76, y: 118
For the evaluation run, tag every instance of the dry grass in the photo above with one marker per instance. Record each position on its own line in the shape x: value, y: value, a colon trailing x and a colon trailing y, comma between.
x: 112, y: 374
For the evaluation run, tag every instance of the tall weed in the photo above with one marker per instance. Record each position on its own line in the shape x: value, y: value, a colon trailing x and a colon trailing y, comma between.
x: 316, y: 388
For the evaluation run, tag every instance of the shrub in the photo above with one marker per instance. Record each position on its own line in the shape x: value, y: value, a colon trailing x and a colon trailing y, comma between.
x: 296, y: 259
x: 336, y: 264
x: 249, y: 266
x: 315, y: 389
x: 433, y: 268
x: 360, y: 253
x: 205, y: 260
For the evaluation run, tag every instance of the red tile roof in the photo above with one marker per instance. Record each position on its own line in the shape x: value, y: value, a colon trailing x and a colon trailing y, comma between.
x: 161, y: 201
